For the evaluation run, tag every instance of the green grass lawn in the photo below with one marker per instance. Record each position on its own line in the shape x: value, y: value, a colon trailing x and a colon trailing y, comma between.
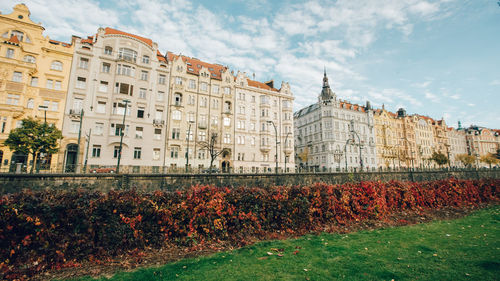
x: 463, y: 249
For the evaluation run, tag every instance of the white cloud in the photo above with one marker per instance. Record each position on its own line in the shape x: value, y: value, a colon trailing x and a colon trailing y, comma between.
x: 495, y: 82
x: 431, y: 96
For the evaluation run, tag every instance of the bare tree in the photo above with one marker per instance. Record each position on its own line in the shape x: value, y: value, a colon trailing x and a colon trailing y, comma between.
x: 213, y: 149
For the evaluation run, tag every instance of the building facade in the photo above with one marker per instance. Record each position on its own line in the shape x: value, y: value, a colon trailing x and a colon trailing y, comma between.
x: 208, y: 100
x: 34, y: 74
x: 334, y: 135
x: 458, y: 145
x: 118, y: 94
x: 481, y: 141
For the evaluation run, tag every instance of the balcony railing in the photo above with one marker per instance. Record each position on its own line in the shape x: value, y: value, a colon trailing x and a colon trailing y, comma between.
x: 75, y: 111
x: 158, y: 122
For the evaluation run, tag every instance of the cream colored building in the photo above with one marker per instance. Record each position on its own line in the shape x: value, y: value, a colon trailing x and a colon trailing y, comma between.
x: 458, y: 145
x: 481, y: 141
x: 116, y: 78
x: 208, y: 99
x: 34, y: 73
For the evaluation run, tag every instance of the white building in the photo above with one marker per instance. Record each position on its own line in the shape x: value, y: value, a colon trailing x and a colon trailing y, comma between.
x: 114, y: 72
x: 334, y: 134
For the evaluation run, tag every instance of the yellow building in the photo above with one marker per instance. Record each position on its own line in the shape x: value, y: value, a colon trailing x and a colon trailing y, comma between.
x: 34, y: 72
x: 396, y: 141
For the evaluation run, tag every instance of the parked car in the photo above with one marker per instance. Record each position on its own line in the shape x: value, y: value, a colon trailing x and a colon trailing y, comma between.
x: 213, y: 171
x: 103, y: 170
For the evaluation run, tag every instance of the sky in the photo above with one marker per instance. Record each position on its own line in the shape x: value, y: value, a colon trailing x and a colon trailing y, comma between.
x: 439, y: 58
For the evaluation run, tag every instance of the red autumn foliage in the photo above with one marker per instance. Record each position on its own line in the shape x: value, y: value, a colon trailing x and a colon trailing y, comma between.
x: 58, y: 229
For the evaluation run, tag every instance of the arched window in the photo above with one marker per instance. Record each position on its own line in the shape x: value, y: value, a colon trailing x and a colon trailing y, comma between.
x: 56, y: 65
x: 127, y: 54
x: 30, y: 59
x: 31, y: 103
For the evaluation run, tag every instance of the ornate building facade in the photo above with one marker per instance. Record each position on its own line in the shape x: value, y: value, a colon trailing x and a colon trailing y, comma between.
x: 118, y: 85
x: 334, y: 135
x: 458, y: 145
x: 482, y: 141
x: 34, y: 75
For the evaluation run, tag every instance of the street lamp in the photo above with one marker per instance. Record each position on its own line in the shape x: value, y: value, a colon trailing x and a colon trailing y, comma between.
x: 276, y: 133
x: 87, y: 151
x: 44, y: 108
x: 77, y: 170
x: 359, y: 144
x: 448, y: 153
x: 337, y: 155
x: 286, y: 144
x: 187, y: 150
x: 121, y: 137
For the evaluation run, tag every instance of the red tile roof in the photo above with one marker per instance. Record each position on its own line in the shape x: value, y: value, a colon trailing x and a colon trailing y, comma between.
x: 109, y: 30
x: 194, y: 65
x: 260, y: 85
x: 64, y: 44
x: 13, y: 40
x: 89, y: 40
x: 160, y: 56
x: 351, y: 106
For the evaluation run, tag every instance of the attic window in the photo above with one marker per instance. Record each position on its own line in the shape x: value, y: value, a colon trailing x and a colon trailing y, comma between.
x: 199, y: 66
x: 190, y: 69
x: 211, y: 68
x: 213, y: 74
x: 20, y: 17
x: 188, y: 63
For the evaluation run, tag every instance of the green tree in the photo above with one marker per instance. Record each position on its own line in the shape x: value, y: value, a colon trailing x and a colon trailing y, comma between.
x: 489, y: 159
x: 34, y: 137
x: 439, y: 158
x: 466, y: 159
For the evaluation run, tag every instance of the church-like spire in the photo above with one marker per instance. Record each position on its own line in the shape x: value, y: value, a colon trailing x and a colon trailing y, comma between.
x: 326, y: 93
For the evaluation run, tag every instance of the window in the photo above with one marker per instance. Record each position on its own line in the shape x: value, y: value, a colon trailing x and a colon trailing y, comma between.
x: 144, y: 75
x: 178, y: 99
x: 119, y: 108
x: 202, y: 136
x: 156, y: 154
x: 203, y: 86
x: 189, y: 134
x: 56, y: 65
x: 108, y: 50
x: 17, y: 76
x: 161, y: 79
x: 142, y: 93
x: 103, y: 86
x: 157, y: 135
x: 190, y: 117
x: 203, y: 102
x: 178, y: 80
x: 191, y: 100
x: 227, y: 121
x: 145, y: 59
x: 192, y: 84
x: 30, y: 59
x: 55, y: 106
x: 10, y: 53
x: 215, y: 103
x: 101, y: 107
x: 215, y: 120
x: 84, y: 63
x: 106, y: 67
x: 96, y: 151
x: 12, y: 99
x: 34, y: 82
x: 158, y: 114
x: 77, y: 104
x: 18, y: 34
x: 176, y: 133
x: 74, y: 127
x: 140, y: 112
x: 118, y: 129
x: 137, y: 152
x: 201, y: 154
x: 160, y: 95
x: 57, y: 85
x: 99, y: 128
x: 80, y: 83
x: 49, y: 84
x: 127, y: 54
x: 123, y: 88
x: 116, y: 151
x: 227, y: 90
x: 31, y: 103
x: 227, y: 138
x: 138, y: 132
x: 174, y: 152
x: 126, y: 70
x: 215, y: 89
x: 176, y: 115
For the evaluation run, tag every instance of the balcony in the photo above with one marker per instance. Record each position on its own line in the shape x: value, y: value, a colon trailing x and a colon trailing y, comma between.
x: 128, y: 58
x: 179, y: 87
x: 158, y: 122
x: 202, y: 125
x: 75, y: 112
x: 265, y: 148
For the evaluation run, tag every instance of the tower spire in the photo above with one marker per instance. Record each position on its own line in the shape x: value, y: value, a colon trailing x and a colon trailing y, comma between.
x: 326, y: 93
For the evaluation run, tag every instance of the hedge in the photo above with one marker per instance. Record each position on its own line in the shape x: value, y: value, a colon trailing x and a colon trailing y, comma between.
x: 54, y: 229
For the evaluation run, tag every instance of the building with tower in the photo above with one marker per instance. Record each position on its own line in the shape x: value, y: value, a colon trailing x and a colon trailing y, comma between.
x: 334, y: 134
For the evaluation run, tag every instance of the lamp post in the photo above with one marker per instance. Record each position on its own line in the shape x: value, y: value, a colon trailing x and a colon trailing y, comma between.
x: 276, y: 133
x: 337, y: 155
x: 187, y: 150
x: 77, y: 170
x: 286, y: 144
x: 44, y: 108
x: 87, y: 151
x: 359, y: 144
x: 121, y: 137
x: 448, y: 153
x: 345, y: 152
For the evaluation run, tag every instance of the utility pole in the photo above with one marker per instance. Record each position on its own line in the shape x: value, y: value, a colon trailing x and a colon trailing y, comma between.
x: 122, y: 132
